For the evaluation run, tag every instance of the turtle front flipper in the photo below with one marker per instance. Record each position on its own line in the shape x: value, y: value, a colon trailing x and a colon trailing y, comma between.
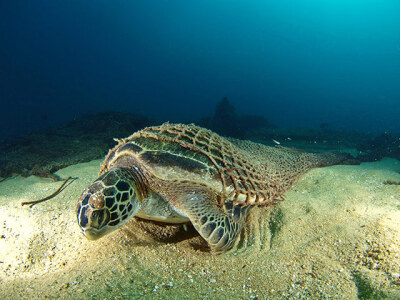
x: 219, y: 226
x: 221, y: 229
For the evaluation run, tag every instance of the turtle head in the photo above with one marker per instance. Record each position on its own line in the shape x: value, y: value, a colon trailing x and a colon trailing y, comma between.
x: 107, y: 204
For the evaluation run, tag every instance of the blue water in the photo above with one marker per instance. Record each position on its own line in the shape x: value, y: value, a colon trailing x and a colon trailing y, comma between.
x: 298, y: 63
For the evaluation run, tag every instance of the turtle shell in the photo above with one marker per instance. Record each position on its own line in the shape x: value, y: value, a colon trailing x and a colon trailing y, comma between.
x: 177, y: 151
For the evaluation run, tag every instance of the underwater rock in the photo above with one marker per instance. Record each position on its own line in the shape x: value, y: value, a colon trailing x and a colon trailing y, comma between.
x: 224, y: 121
x: 227, y: 123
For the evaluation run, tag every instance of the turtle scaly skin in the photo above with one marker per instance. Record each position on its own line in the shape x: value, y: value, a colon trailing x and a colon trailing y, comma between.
x: 176, y: 173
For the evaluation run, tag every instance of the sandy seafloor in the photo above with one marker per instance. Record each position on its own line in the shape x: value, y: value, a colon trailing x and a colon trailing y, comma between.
x: 337, y: 235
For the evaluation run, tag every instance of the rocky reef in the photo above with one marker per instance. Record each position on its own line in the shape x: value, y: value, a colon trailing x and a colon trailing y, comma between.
x: 384, y: 145
x: 43, y: 152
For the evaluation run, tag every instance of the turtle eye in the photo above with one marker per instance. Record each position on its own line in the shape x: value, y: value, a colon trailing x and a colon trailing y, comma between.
x: 100, y: 217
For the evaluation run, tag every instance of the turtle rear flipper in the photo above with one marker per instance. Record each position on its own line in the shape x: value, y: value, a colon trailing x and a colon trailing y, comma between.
x: 219, y: 226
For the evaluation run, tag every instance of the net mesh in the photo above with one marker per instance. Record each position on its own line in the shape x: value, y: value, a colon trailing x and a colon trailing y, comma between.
x: 250, y: 173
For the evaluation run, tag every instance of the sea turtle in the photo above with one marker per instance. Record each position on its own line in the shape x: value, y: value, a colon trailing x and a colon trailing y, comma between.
x: 177, y: 173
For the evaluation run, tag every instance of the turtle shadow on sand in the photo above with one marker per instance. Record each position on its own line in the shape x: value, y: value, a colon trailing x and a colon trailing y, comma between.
x: 144, y: 232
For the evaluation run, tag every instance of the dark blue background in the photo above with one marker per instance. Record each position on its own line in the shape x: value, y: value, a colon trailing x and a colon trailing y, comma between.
x: 298, y: 63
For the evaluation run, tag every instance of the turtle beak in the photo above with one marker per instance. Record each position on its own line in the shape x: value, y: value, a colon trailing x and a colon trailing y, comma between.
x: 96, y: 231
x: 93, y: 234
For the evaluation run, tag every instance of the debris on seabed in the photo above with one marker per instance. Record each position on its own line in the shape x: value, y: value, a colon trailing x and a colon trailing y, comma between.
x: 276, y: 142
